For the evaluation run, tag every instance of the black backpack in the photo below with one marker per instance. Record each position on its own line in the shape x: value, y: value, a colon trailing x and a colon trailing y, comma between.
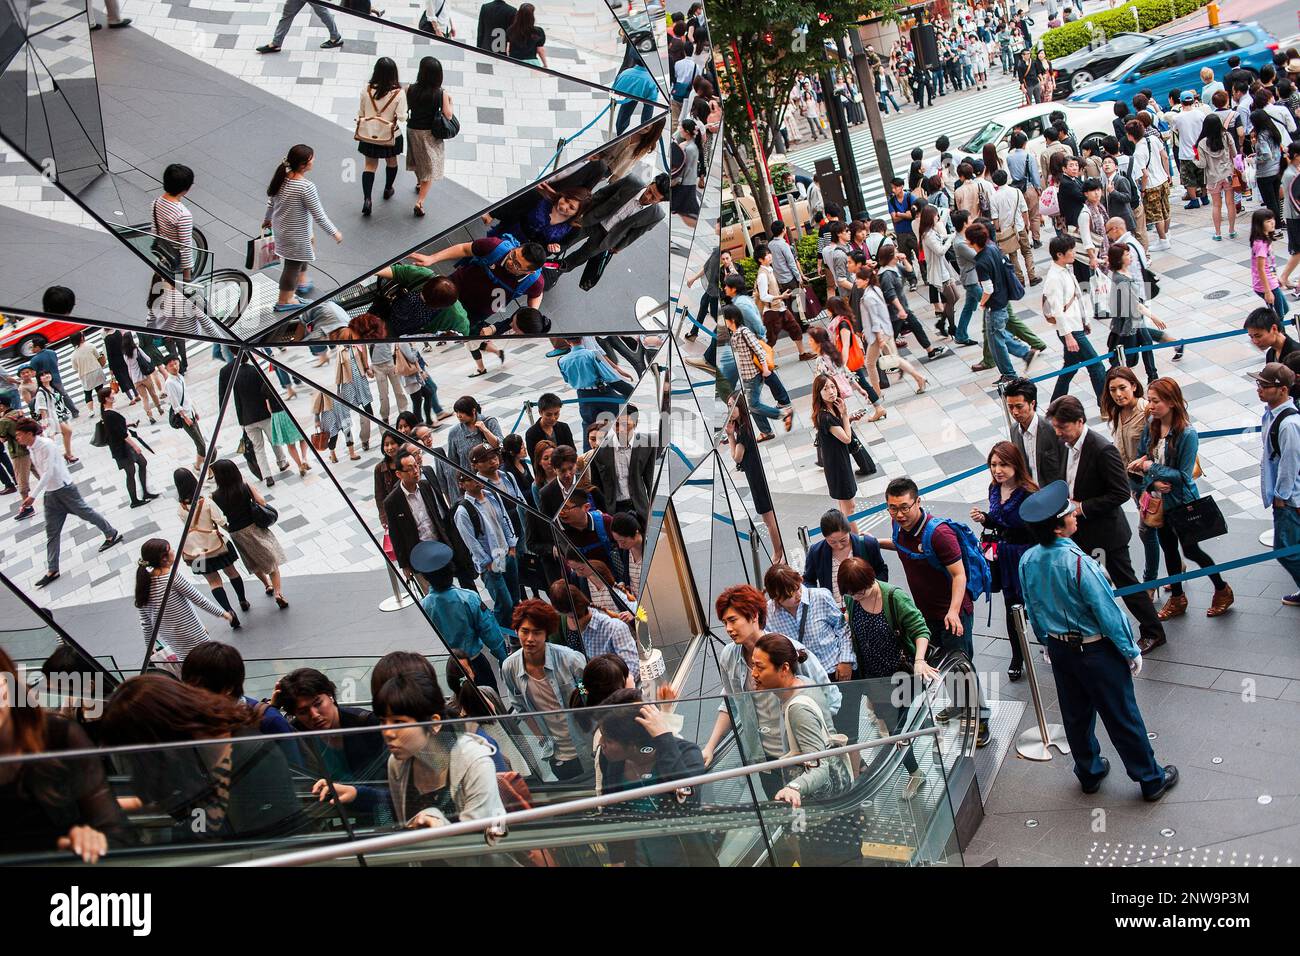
x: 1274, y: 448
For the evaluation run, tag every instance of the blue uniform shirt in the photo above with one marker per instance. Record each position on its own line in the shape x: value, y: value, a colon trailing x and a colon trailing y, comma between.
x: 464, y: 623
x: 1065, y: 590
x: 1280, y: 477
x: 583, y: 368
x: 637, y: 81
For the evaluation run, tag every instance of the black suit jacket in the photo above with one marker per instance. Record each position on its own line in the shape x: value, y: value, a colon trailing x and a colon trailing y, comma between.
x: 1049, y: 452
x: 611, y: 197
x: 495, y: 15
x: 640, y: 477
x: 1101, y: 487
x: 402, y: 528
x: 817, y: 566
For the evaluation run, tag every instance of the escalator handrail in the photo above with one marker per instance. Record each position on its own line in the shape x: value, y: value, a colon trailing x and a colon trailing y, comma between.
x: 494, y: 827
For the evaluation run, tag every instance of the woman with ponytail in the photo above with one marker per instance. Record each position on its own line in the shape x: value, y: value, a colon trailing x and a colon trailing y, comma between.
x: 178, y: 626
x: 292, y: 205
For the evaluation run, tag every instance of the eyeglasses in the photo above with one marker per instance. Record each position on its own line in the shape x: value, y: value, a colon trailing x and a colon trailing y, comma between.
x: 900, y: 509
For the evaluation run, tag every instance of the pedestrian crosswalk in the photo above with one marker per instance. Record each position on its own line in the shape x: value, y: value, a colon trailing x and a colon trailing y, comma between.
x: 958, y: 119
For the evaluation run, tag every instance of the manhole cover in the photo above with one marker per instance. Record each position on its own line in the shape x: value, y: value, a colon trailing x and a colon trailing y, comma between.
x: 1264, y: 799
x: 1216, y: 760
x: 1031, y: 823
x: 1152, y: 735
x: 1168, y: 832
x: 1217, y: 294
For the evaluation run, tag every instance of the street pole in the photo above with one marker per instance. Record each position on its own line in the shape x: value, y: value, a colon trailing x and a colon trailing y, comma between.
x: 867, y: 84
x: 839, y: 123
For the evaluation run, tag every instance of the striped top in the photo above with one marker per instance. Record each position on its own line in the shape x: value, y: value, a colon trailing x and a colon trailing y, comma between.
x: 291, y: 212
x: 172, y: 220
x: 181, y: 629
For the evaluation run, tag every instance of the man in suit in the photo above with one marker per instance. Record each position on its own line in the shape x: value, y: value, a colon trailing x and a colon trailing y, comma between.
x: 620, y: 214
x: 255, y: 400
x: 493, y: 20
x: 1030, y: 432
x: 414, y: 515
x: 623, y: 467
x: 1098, y: 483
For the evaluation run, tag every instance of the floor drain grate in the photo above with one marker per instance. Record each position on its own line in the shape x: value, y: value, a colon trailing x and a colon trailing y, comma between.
x: 1217, y: 294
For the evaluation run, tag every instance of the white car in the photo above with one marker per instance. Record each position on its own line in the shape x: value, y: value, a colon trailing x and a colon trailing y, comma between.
x: 1089, y: 122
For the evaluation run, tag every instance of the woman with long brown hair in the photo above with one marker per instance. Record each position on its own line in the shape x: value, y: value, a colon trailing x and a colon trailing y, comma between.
x: 1006, y: 537
x: 878, y: 332
x: 992, y: 162
x: 935, y: 242
x: 49, y: 804
x: 1166, y: 467
x: 236, y: 786
x: 834, y: 436
x: 1125, y: 411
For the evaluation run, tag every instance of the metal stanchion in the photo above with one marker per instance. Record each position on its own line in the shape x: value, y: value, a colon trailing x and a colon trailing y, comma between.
x: 1006, y: 415
x: 755, y: 552
x: 400, y: 599
x: 528, y: 410
x: 1036, y: 743
x: 1119, y: 355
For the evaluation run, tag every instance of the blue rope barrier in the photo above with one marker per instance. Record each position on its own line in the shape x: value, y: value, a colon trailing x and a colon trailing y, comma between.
x: 682, y: 455
x: 690, y: 318
x: 1227, y: 432
x: 727, y: 519
x: 518, y: 421
x: 565, y: 141
x: 1206, y: 572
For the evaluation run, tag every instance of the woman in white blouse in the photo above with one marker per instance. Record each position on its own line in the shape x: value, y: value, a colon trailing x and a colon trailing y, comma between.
x: 383, y: 103
x: 939, y: 274
x: 878, y: 330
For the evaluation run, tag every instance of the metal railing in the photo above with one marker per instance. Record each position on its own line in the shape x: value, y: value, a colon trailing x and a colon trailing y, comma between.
x: 496, y: 828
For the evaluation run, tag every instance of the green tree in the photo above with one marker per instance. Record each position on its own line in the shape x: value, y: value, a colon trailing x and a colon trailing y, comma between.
x: 764, y: 45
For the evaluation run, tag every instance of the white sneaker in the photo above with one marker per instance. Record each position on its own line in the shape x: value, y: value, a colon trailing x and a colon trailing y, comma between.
x: 915, y: 781
x: 1164, y: 245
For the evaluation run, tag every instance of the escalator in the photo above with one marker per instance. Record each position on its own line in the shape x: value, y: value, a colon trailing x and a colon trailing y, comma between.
x: 732, y: 817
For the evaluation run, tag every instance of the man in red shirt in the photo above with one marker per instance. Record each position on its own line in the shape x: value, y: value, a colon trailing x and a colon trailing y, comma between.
x: 938, y: 592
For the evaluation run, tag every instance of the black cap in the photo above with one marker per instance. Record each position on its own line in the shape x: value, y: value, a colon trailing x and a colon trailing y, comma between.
x: 1047, y: 504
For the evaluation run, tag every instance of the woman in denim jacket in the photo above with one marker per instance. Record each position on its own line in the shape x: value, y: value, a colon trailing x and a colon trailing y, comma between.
x: 1166, y: 465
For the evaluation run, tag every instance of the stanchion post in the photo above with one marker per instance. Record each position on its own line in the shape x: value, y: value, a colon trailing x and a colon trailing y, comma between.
x: 1036, y: 743
x: 755, y: 551
x: 528, y: 410
x: 1006, y: 415
x: 1119, y: 355
x: 400, y: 598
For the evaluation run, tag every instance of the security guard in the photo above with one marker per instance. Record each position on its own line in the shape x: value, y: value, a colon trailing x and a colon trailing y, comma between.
x: 1090, y: 644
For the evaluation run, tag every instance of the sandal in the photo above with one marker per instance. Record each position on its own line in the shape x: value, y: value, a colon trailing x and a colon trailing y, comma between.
x: 476, y: 374
x: 766, y: 436
x: 71, y: 459
x: 302, y: 470
x: 788, y: 419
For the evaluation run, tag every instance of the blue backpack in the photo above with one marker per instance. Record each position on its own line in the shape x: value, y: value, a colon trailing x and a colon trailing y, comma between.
x: 979, y: 576
x: 494, y: 258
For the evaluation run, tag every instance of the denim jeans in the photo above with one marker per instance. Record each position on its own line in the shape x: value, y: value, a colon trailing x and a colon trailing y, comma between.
x: 1000, y: 341
x: 762, y: 414
x: 625, y: 112
x: 1150, y: 552
x: 1280, y: 305
x: 936, y: 74
x: 968, y: 308
x: 964, y: 644
x: 1286, y: 534
x: 1085, y: 352
x: 503, y: 588
x: 890, y: 97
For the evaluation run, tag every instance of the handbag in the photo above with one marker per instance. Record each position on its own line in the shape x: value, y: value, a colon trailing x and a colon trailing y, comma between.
x: 173, y: 416
x: 263, y: 515
x: 375, y: 129
x: 1048, y: 203
x: 1198, y: 520
x: 320, y: 440
x: 100, y: 438
x: 261, y: 252
x: 440, y: 127
x: 1151, y: 509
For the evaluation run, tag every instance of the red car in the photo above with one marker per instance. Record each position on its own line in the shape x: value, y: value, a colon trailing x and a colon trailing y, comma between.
x: 22, y: 336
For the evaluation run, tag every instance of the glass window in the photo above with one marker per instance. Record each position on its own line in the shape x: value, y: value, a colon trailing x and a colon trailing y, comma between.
x: 989, y: 134
x: 1205, y: 48
x: 1158, y: 62
x: 1126, y: 44
x: 1241, y: 39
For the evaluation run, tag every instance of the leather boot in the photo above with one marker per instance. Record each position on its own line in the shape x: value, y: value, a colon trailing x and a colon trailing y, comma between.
x: 1176, y: 606
x: 1222, y: 601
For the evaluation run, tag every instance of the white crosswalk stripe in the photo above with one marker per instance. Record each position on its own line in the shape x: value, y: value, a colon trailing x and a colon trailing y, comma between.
x: 958, y: 119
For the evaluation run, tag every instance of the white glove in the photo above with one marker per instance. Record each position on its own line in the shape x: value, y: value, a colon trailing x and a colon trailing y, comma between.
x: 1135, y: 665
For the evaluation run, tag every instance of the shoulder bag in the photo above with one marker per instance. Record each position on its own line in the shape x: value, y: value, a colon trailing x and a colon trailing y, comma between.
x: 440, y: 127
x: 173, y: 416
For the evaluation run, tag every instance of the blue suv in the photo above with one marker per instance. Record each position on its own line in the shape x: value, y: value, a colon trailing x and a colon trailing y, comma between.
x: 1175, y: 62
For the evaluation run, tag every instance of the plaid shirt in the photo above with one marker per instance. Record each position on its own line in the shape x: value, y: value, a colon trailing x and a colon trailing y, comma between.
x: 608, y: 635
x: 748, y: 353
x: 825, y: 632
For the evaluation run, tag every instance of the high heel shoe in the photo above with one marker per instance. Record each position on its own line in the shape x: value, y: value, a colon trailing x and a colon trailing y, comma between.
x: 302, y: 470
x: 921, y: 386
x: 234, y: 621
x: 334, y: 456
x: 281, y: 602
x: 877, y: 415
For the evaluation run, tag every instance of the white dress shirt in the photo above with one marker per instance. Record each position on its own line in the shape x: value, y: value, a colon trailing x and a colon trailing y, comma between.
x: 1030, y: 438
x: 47, y: 459
x: 1063, y: 299
x: 1009, y: 209
x: 423, y: 523
x: 1072, y: 459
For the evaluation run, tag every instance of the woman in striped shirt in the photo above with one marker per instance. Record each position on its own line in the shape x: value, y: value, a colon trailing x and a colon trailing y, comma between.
x: 180, y: 628
x: 172, y: 219
x: 293, y: 204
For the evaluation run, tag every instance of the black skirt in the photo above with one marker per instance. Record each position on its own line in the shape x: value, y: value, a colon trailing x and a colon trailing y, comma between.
x: 215, y: 562
x: 374, y: 151
x: 685, y: 200
x: 837, y: 463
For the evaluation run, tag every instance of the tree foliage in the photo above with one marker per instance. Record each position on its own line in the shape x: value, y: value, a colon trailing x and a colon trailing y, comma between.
x: 775, y: 40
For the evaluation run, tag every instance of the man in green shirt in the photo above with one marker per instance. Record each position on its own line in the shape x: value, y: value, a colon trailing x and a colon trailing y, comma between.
x: 427, y: 302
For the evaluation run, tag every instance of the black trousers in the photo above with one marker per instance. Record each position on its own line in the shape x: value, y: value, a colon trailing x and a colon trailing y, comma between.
x: 1119, y: 565
x: 1170, y: 543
